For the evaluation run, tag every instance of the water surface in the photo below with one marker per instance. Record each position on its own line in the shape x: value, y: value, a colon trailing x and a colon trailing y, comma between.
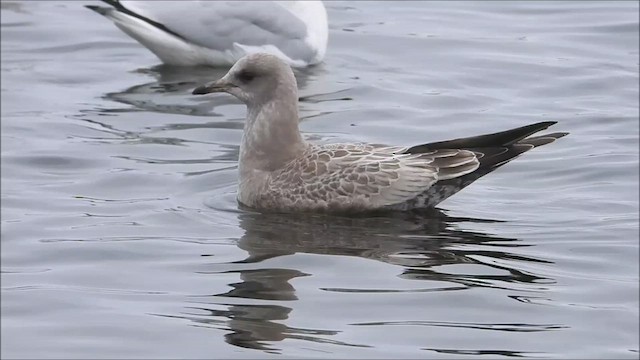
x: 121, y: 237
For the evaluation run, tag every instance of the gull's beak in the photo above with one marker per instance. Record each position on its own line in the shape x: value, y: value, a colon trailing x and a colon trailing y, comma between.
x: 221, y: 85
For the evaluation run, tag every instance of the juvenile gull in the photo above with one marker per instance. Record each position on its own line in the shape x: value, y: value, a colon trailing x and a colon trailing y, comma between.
x: 280, y: 171
x: 218, y: 33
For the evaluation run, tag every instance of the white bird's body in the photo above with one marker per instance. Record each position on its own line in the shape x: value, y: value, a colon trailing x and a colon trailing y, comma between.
x: 218, y: 33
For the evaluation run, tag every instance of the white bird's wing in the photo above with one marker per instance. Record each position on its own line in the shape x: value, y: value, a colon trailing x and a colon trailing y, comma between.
x: 227, y: 25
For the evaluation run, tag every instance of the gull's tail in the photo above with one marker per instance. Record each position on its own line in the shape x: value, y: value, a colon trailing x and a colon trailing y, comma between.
x: 492, y: 150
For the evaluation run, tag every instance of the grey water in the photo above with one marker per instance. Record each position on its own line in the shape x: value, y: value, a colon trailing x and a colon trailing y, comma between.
x: 121, y: 236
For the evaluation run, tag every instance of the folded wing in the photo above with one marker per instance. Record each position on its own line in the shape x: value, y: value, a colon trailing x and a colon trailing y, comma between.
x: 368, y: 176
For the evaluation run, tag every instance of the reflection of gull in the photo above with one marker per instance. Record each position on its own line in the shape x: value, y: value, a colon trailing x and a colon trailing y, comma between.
x: 427, y: 246
x: 280, y: 171
x: 167, y: 93
x: 170, y: 90
x: 220, y: 32
x: 254, y: 325
x: 422, y: 242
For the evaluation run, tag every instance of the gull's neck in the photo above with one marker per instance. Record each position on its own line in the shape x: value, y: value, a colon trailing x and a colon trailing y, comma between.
x: 271, y: 135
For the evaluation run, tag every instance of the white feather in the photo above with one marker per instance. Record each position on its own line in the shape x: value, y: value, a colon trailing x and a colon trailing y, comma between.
x: 205, y: 38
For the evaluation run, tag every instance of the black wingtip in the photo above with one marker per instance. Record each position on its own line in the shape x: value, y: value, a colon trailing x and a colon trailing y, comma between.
x: 531, y: 128
x: 200, y: 90
x: 503, y: 138
x: 117, y: 6
x: 104, y: 10
x: 114, y: 3
x: 100, y: 10
x: 546, y: 124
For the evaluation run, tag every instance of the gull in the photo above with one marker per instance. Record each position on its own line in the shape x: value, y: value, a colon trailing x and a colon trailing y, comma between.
x: 280, y: 171
x: 218, y: 33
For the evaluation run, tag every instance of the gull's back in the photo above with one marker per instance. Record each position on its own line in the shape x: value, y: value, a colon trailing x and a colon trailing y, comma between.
x: 364, y: 177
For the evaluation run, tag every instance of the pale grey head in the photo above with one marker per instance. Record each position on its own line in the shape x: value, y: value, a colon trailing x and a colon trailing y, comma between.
x: 255, y: 79
x: 268, y: 87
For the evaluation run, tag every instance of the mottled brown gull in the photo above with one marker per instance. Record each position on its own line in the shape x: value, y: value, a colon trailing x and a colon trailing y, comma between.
x: 280, y: 171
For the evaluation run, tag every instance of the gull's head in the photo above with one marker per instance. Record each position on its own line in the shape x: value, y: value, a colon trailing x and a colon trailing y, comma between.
x: 254, y: 79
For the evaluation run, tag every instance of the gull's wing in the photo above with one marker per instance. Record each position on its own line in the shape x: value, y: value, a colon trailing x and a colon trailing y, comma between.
x: 361, y: 177
x: 492, y: 151
x: 365, y: 176
x: 228, y: 25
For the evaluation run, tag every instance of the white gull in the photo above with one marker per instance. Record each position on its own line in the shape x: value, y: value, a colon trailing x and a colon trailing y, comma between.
x: 218, y: 33
x: 280, y: 171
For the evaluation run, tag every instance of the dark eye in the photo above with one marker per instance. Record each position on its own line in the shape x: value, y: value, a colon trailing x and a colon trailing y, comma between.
x: 246, y: 76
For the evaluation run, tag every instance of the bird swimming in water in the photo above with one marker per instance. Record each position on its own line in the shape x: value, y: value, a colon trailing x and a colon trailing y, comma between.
x: 280, y: 171
x: 218, y: 33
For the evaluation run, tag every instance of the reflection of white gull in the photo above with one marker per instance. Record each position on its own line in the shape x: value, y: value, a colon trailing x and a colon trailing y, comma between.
x: 218, y: 33
x: 281, y: 171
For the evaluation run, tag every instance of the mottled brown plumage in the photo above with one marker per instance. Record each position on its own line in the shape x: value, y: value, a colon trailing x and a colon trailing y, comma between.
x: 280, y: 171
